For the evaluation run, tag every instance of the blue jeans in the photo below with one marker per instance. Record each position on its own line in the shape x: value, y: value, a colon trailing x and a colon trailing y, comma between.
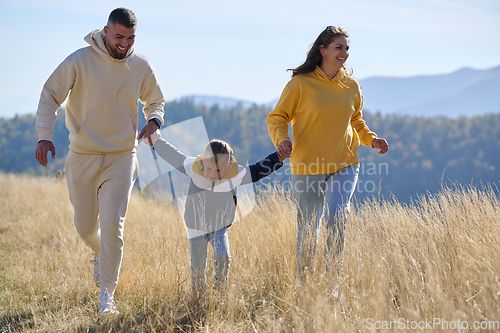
x: 320, y: 197
x: 199, y: 249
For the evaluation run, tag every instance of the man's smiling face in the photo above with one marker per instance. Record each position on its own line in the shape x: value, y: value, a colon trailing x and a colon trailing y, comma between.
x: 118, y: 39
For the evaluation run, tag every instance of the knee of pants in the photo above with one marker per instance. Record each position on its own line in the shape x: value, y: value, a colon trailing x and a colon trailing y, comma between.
x: 337, y: 215
x: 112, y: 227
x: 223, y: 257
x: 309, y: 208
x: 335, y: 230
x: 87, y: 230
x: 198, y: 263
x: 308, y: 215
x: 198, y: 271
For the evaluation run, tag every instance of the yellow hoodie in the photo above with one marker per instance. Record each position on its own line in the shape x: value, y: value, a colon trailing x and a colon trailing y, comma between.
x: 327, y: 124
x: 102, y: 107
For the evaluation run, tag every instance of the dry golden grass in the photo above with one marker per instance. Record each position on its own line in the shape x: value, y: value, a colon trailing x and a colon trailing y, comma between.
x: 436, y: 259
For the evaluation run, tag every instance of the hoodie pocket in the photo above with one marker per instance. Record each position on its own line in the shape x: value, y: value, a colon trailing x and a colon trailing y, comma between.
x: 321, y: 155
x: 106, y: 133
x: 338, y: 150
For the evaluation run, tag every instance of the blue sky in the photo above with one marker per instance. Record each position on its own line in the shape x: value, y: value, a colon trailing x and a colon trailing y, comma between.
x: 241, y: 49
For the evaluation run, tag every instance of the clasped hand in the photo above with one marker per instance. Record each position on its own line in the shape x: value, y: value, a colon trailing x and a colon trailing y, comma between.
x: 284, y: 150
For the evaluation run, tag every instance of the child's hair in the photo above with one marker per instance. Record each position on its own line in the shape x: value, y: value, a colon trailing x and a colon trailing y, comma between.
x: 314, y: 55
x: 217, y: 148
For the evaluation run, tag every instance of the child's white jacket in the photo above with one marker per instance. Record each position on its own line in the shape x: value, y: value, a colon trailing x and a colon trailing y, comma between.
x: 211, y: 206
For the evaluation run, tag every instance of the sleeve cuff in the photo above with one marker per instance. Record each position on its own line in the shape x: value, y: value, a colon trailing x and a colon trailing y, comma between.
x: 370, y: 141
x: 283, y: 139
x: 157, y: 121
x: 47, y: 136
x: 157, y: 115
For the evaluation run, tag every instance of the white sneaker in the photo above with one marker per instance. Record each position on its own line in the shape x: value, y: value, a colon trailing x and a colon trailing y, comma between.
x: 107, y: 305
x: 97, y: 277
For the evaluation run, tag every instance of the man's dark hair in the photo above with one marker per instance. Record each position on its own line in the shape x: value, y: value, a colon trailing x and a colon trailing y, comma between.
x: 123, y: 16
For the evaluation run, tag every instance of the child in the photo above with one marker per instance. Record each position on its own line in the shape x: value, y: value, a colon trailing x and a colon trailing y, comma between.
x: 211, y: 201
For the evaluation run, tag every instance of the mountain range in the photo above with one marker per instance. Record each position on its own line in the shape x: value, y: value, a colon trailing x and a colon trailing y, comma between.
x: 466, y: 92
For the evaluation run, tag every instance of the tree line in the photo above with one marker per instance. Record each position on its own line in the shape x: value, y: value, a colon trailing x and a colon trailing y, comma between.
x: 425, y: 153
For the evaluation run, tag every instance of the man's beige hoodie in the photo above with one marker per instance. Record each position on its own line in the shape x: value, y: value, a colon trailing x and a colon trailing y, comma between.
x: 102, y: 107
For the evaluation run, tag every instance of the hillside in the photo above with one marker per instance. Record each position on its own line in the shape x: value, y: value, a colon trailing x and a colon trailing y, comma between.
x: 221, y: 102
x: 436, y: 258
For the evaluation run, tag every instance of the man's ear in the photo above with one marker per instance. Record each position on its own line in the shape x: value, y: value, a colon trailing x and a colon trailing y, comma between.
x: 106, y: 31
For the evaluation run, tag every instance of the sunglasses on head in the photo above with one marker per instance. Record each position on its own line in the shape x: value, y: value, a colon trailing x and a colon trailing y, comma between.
x: 331, y: 28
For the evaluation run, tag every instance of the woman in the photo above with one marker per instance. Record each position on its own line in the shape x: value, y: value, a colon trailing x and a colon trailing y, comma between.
x: 323, y: 102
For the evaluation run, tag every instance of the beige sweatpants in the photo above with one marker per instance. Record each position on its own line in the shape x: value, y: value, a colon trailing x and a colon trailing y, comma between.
x: 99, y: 188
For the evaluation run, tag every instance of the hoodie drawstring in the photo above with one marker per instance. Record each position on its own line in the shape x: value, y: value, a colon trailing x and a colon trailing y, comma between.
x: 102, y: 161
x: 342, y: 84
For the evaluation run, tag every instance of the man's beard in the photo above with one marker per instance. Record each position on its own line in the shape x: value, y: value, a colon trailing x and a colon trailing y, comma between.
x: 114, y: 52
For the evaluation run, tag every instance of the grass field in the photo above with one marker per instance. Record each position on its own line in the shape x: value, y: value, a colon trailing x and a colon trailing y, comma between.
x: 427, y: 267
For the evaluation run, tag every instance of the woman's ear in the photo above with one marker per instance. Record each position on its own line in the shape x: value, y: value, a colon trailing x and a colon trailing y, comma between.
x: 322, y: 50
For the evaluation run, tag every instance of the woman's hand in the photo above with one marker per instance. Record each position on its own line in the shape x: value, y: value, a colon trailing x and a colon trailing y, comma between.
x: 284, y: 150
x: 381, y: 144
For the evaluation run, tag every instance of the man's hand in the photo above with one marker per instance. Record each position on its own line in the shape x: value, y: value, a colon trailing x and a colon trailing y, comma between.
x: 149, y: 129
x: 150, y: 139
x: 42, y: 150
x: 380, y: 144
x: 284, y: 150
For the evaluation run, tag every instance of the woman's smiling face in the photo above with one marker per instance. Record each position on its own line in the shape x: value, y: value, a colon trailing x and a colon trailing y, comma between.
x: 336, y: 53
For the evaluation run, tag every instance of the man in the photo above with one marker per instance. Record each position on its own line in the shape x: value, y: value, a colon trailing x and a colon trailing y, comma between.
x: 104, y: 81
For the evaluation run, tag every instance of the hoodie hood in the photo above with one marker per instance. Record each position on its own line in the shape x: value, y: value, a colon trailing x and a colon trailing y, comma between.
x: 96, y: 40
x: 231, y: 171
x: 341, y: 75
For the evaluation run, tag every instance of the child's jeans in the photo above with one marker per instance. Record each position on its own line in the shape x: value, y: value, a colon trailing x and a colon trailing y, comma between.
x: 324, y: 197
x: 199, y: 249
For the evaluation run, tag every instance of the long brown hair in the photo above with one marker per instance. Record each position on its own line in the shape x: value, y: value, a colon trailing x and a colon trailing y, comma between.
x: 314, y: 56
